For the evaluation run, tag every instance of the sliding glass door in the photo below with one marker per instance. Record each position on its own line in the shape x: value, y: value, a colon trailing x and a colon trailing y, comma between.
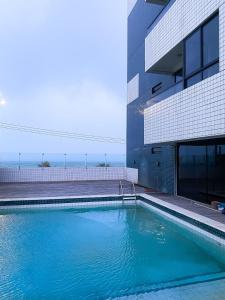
x: 201, y: 170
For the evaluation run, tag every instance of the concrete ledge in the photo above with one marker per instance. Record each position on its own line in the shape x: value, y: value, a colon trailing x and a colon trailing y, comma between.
x: 202, y: 219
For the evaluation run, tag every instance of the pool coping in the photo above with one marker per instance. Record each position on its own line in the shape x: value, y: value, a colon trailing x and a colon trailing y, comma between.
x: 186, y: 215
x: 209, y: 225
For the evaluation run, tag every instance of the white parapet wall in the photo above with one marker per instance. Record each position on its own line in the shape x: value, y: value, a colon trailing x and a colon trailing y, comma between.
x: 133, y: 89
x: 13, y: 175
x: 132, y: 175
x: 194, y: 113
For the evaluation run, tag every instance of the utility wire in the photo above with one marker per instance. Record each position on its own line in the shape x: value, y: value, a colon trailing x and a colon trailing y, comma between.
x: 64, y: 134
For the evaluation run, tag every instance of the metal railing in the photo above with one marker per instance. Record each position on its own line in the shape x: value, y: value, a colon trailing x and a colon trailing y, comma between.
x: 22, y: 160
x: 134, y: 190
x: 121, y: 190
x: 128, y: 197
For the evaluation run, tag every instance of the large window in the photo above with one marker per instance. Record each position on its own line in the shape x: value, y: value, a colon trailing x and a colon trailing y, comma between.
x: 211, y: 41
x: 194, y: 59
x: 202, y: 52
x: 201, y: 169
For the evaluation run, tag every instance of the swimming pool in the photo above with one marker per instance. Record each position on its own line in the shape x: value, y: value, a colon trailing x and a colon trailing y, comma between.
x: 99, y: 253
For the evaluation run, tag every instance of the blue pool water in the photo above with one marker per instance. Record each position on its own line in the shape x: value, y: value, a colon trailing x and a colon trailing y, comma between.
x: 97, y: 254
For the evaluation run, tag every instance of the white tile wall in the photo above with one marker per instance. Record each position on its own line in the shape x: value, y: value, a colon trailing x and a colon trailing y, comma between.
x: 70, y: 174
x: 132, y: 175
x: 181, y: 19
x: 130, y: 6
x: 133, y: 89
x: 198, y: 111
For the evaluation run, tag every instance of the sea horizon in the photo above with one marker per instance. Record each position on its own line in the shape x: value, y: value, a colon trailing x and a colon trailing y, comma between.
x: 68, y: 164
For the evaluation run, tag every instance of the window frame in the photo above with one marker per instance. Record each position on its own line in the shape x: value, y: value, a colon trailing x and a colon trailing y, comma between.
x: 203, y: 67
x: 203, y: 40
x: 197, y: 30
x: 183, y: 81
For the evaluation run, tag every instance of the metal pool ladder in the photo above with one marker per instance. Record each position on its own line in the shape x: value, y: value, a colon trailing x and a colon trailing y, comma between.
x: 121, y: 190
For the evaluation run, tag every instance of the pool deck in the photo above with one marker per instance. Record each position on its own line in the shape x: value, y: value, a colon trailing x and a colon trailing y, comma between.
x: 110, y: 187
x: 192, y: 206
x: 64, y: 189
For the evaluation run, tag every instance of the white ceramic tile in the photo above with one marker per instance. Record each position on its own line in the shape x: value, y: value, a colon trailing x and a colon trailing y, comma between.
x: 69, y: 174
x: 133, y: 89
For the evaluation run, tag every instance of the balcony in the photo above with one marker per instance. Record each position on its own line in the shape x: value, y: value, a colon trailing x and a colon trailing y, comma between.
x: 174, y: 24
x: 190, y: 114
x: 170, y: 63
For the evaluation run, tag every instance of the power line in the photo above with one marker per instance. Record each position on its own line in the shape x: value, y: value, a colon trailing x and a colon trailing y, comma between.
x: 64, y: 134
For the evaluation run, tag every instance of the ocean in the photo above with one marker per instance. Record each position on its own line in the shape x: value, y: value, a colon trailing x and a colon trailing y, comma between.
x: 33, y: 160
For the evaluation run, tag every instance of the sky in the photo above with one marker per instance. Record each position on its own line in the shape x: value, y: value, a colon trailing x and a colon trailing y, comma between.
x: 63, y: 67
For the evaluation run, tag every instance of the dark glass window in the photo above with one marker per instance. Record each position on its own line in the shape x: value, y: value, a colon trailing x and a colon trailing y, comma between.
x: 192, y: 171
x: 200, y: 60
x: 202, y: 52
x: 194, y: 79
x: 210, y: 71
x: 156, y: 150
x: 211, y: 41
x: 193, y: 52
x: 156, y: 88
x: 201, y: 170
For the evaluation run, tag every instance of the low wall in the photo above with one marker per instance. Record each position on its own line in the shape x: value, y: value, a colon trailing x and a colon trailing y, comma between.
x: 10, y: 175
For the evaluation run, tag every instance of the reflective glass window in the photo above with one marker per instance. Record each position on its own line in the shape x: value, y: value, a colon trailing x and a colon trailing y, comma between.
x: 211, y: 41
x: 201, y: 169
x: 211, y: 71
x: 194, y: 79
x: 193, y: 52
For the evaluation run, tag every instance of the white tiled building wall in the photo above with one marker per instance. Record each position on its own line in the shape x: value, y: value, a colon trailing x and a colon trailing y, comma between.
x: 69, y: 174
x: 133, y: 89
x: 198, y: 111
x: 181, y: 19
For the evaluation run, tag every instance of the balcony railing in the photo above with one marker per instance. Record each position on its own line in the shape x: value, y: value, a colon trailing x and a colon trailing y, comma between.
x: 60, y: 160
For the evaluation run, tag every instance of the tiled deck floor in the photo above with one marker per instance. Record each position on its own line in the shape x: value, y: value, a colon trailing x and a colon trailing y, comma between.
x: 83, y: 188
x: 58, y: 189
x: 194, y: 206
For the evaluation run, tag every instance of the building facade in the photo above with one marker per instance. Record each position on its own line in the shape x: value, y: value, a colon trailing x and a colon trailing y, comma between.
x: 176, y: 96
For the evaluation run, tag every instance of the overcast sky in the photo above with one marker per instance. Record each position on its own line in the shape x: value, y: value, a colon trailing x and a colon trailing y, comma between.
x: 63, y: 66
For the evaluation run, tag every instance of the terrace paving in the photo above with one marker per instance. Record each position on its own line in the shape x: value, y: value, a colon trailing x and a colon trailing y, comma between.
x: 64, y: 189
x: 193, y: 206
x: 104, y: 187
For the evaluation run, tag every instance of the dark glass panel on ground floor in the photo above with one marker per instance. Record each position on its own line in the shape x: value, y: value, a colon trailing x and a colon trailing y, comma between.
x: 201, y: 169
x: 156, y: 166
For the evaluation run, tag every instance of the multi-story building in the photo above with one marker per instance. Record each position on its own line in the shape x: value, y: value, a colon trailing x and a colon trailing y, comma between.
x: 176, y: 96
